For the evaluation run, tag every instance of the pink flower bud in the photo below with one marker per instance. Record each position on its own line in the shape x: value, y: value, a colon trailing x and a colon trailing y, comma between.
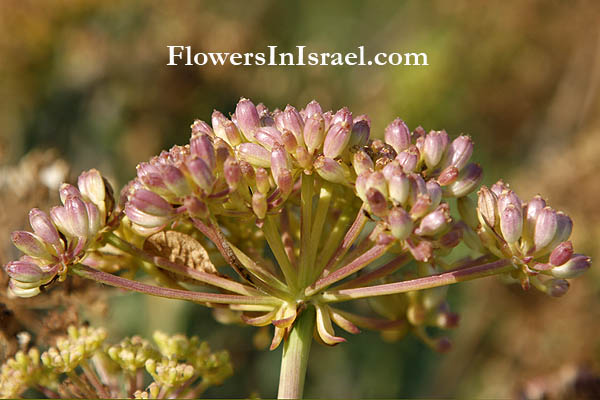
x: 247, y: 118
x: 556, y: 287
x: 362, y: 162
x: 312, y: 108
x: 486, y: 207
x: 314, y: 132
x: 359, y: 136
x: 448, y: 175
x: 391, y: 169
x: 332, y: 171
x: 77, y: 218
x: 511, y: 223
x: 68, y: 190
x: 232, y: 172
x: 397, y: 135
x: 259, y: 204
x: 202, y: 147
x: 400, y: 223
x: 328, y: 118
x: 201, y: 174
x: 28, y: 272
x: 254, y: 154
x: 561, y: 253
x: 195, y: 207
x: 336, y: 140
x: 409, y: 158
x: 44, y: 228
x: 531, y: 210
x: 508, y: 197
x: 262, y: 180
x: 95, y: 222
x: 289, y: 142
x: 399, y: 187
x: 151, y: 176
x: 279, y: 162
x: 468, y: 180
x: 435, y: 193
x: 499, y: 187
x: 574, y: 267
x: 545, y: 227
x: 434, y: 147
x: 285, y: 182
x: 435, y: 222
x: 361, y: 185
x: 459, y: 152
x: 291, y: 120
x: 417, y: 186
x: 150, y: 203
x: 377, y: 180
x: 343, y: 117
x: 304, y: 158
x: 30, y: 244
x: 200, y: 127
x: 91, y: 186
x: 421, y: 206
x: 174, y: 180
x: 225, y: 129
x: 268, y: 137
x: 377, y: 202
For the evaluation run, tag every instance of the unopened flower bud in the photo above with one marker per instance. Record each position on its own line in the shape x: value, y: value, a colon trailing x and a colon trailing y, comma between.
x: 259, y: 204
x: 574, y: 267
x: 44, y: 228
x: 279, y: 161
x: 262, y: 180
x: 421, y: 206
x: 434, y: 147
x: 195, y: 207
x: 291, y: 120
x: 68, y: 190
x: 377, y: 202
x: 200, y: 127
x: 409, y: 158
x: 202, y: 147
x: 459, y: 152
x: 255, y: 154
x: 467, y: 181
x: 362, y: 162
x: 336, y: 140
x: 359, y: 136
x: 232, y: 172
x: 448, y: 175
x: 312, y: 108
x: 268, y: 137
x: 30, y: 244
x: 545, y: 227
x: 28, y: 272
x: 343, y: 117
x: 360, y: 185
x: 532, y: 209
x: 399, y: 187
x: 91, y: 186
x: 561, y: 253
x: 392, y: 168
x: 511, y: 223
x: 397, y: 135
x: 499, y: 187
x: 486, y: 207
x: 508, y: 197
x: 377, y: 180
x: 175, y: 180
x: 435, y: 222
x: 225, y: 129
x: 77, y: 216
x: 556, y: 287
x: 400, y: 223
x: 435, y: 193
x: 289, y: 142
x: 201, y: 173
x: 150, y: 203
x: 95, y: 222
x: 332, y: 170
x: 304, y: 158
x: 247, y: 118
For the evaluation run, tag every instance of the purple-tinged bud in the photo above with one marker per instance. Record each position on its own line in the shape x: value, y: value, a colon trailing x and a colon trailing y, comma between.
x: 377, y: 180
x: 285, y: 182
x: 499, y: 187
x: 312, y: 108
x: 268, y: 137
x: 564, y: 227
x: 448, y: 175
x: 452, y: 238
x: 28, y: 272
x: 259, y: 204
x: 531, y: 211
x: 391, y: 169
x: 361, y: 186
x: 409, y: 158
x: 150, y: 203
x: 508, y: 197
x: 225, y: 129
x: 332, y: 170
x: 202, y: 147
x: 255, y: 154
x: 328, y: 118
x: 362, y: 162
x: 556, y: 287
x: 459, y: 152
x: 469, y: 178
x: 511, y: 223
x: 434, y: 147
x: 336, y: 140
x: 545, y: 227
x: 359, y: 136
x: 247, y: 118
x: 195, y: 207
x: 377, y: 202
x: 314, y: 132
x: 435, y: 193
x: 279, y: 161
x: 397, y: 135
x: 232, y: 172
x: 400, y: 223
x: 421, y: 206
x: 44, y: 228
x: 200, y: 127
x: 574, y: 267
x: 67, y: 190
x: 30, y: 244
x: 289, y: 142
x: 151, y: 176
x: 291, y: 120
x: 468, y: 211
x: 417, y: 186
x: 201, y: 174
x: 399, y: 188
x: 175, y: 181
x: 58, y: 215
x: 91, y: 186
x: 561, y: 253
x: 77, y: 216
x: 486, y: 207
x: 304, y: 158
x: 262, y: 180
x: 343, y: 117
x: 423, y: 251
x: 94, y: 219
x: 435, y: 222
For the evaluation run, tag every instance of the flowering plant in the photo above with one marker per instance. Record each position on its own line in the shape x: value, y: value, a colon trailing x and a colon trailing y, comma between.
x: 280, y: 216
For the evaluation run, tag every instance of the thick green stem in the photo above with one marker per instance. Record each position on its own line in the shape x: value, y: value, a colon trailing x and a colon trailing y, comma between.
x: 306, y: 201
x: 295, y: 356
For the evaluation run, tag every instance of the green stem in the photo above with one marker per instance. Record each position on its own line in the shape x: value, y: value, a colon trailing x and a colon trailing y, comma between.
x: 273, y: 237
x: 306, y: 200
x: 443, y: 279
x: 317, y: 228
x: 294, y: 359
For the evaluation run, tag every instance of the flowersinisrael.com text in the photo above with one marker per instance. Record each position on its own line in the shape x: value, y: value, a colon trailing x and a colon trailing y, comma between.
x: 183, y: 55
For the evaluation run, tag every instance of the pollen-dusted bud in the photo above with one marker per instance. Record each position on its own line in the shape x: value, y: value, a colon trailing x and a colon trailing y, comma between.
x: 255, y: 154
x: 409, y: 158
x: 486, y: 207
x: 361, y: 130
x: 332, y: 170
x: 435, y: 222
x: 336, y: 140
x: 268, y: 137
x: 434, y: 147
x: 30, y: 244
x: 397, y: 135
x: 511, y: 223
x: 468, y: 179
x: 201, y: 173
x: 459, y: 152
x: 561, y: 254
x: 247, y: 118
x: 574, y: 267
x: 44, y: 228
x: 232, y: 172
x: 400, y: 223
x: 545, y: 227
x: 362, y: 162
x: 399, y: 188
x: 291, y: 120
x: 202, y: 147
x: 259, y: 204
x: 377, y: 202
x: 200, y: 127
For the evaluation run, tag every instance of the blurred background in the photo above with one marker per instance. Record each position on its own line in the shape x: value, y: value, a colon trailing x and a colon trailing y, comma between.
x: 84, y: 83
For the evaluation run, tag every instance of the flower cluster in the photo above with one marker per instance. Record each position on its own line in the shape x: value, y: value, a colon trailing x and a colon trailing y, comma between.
x: 63, y: 237
x: 177, y: 364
